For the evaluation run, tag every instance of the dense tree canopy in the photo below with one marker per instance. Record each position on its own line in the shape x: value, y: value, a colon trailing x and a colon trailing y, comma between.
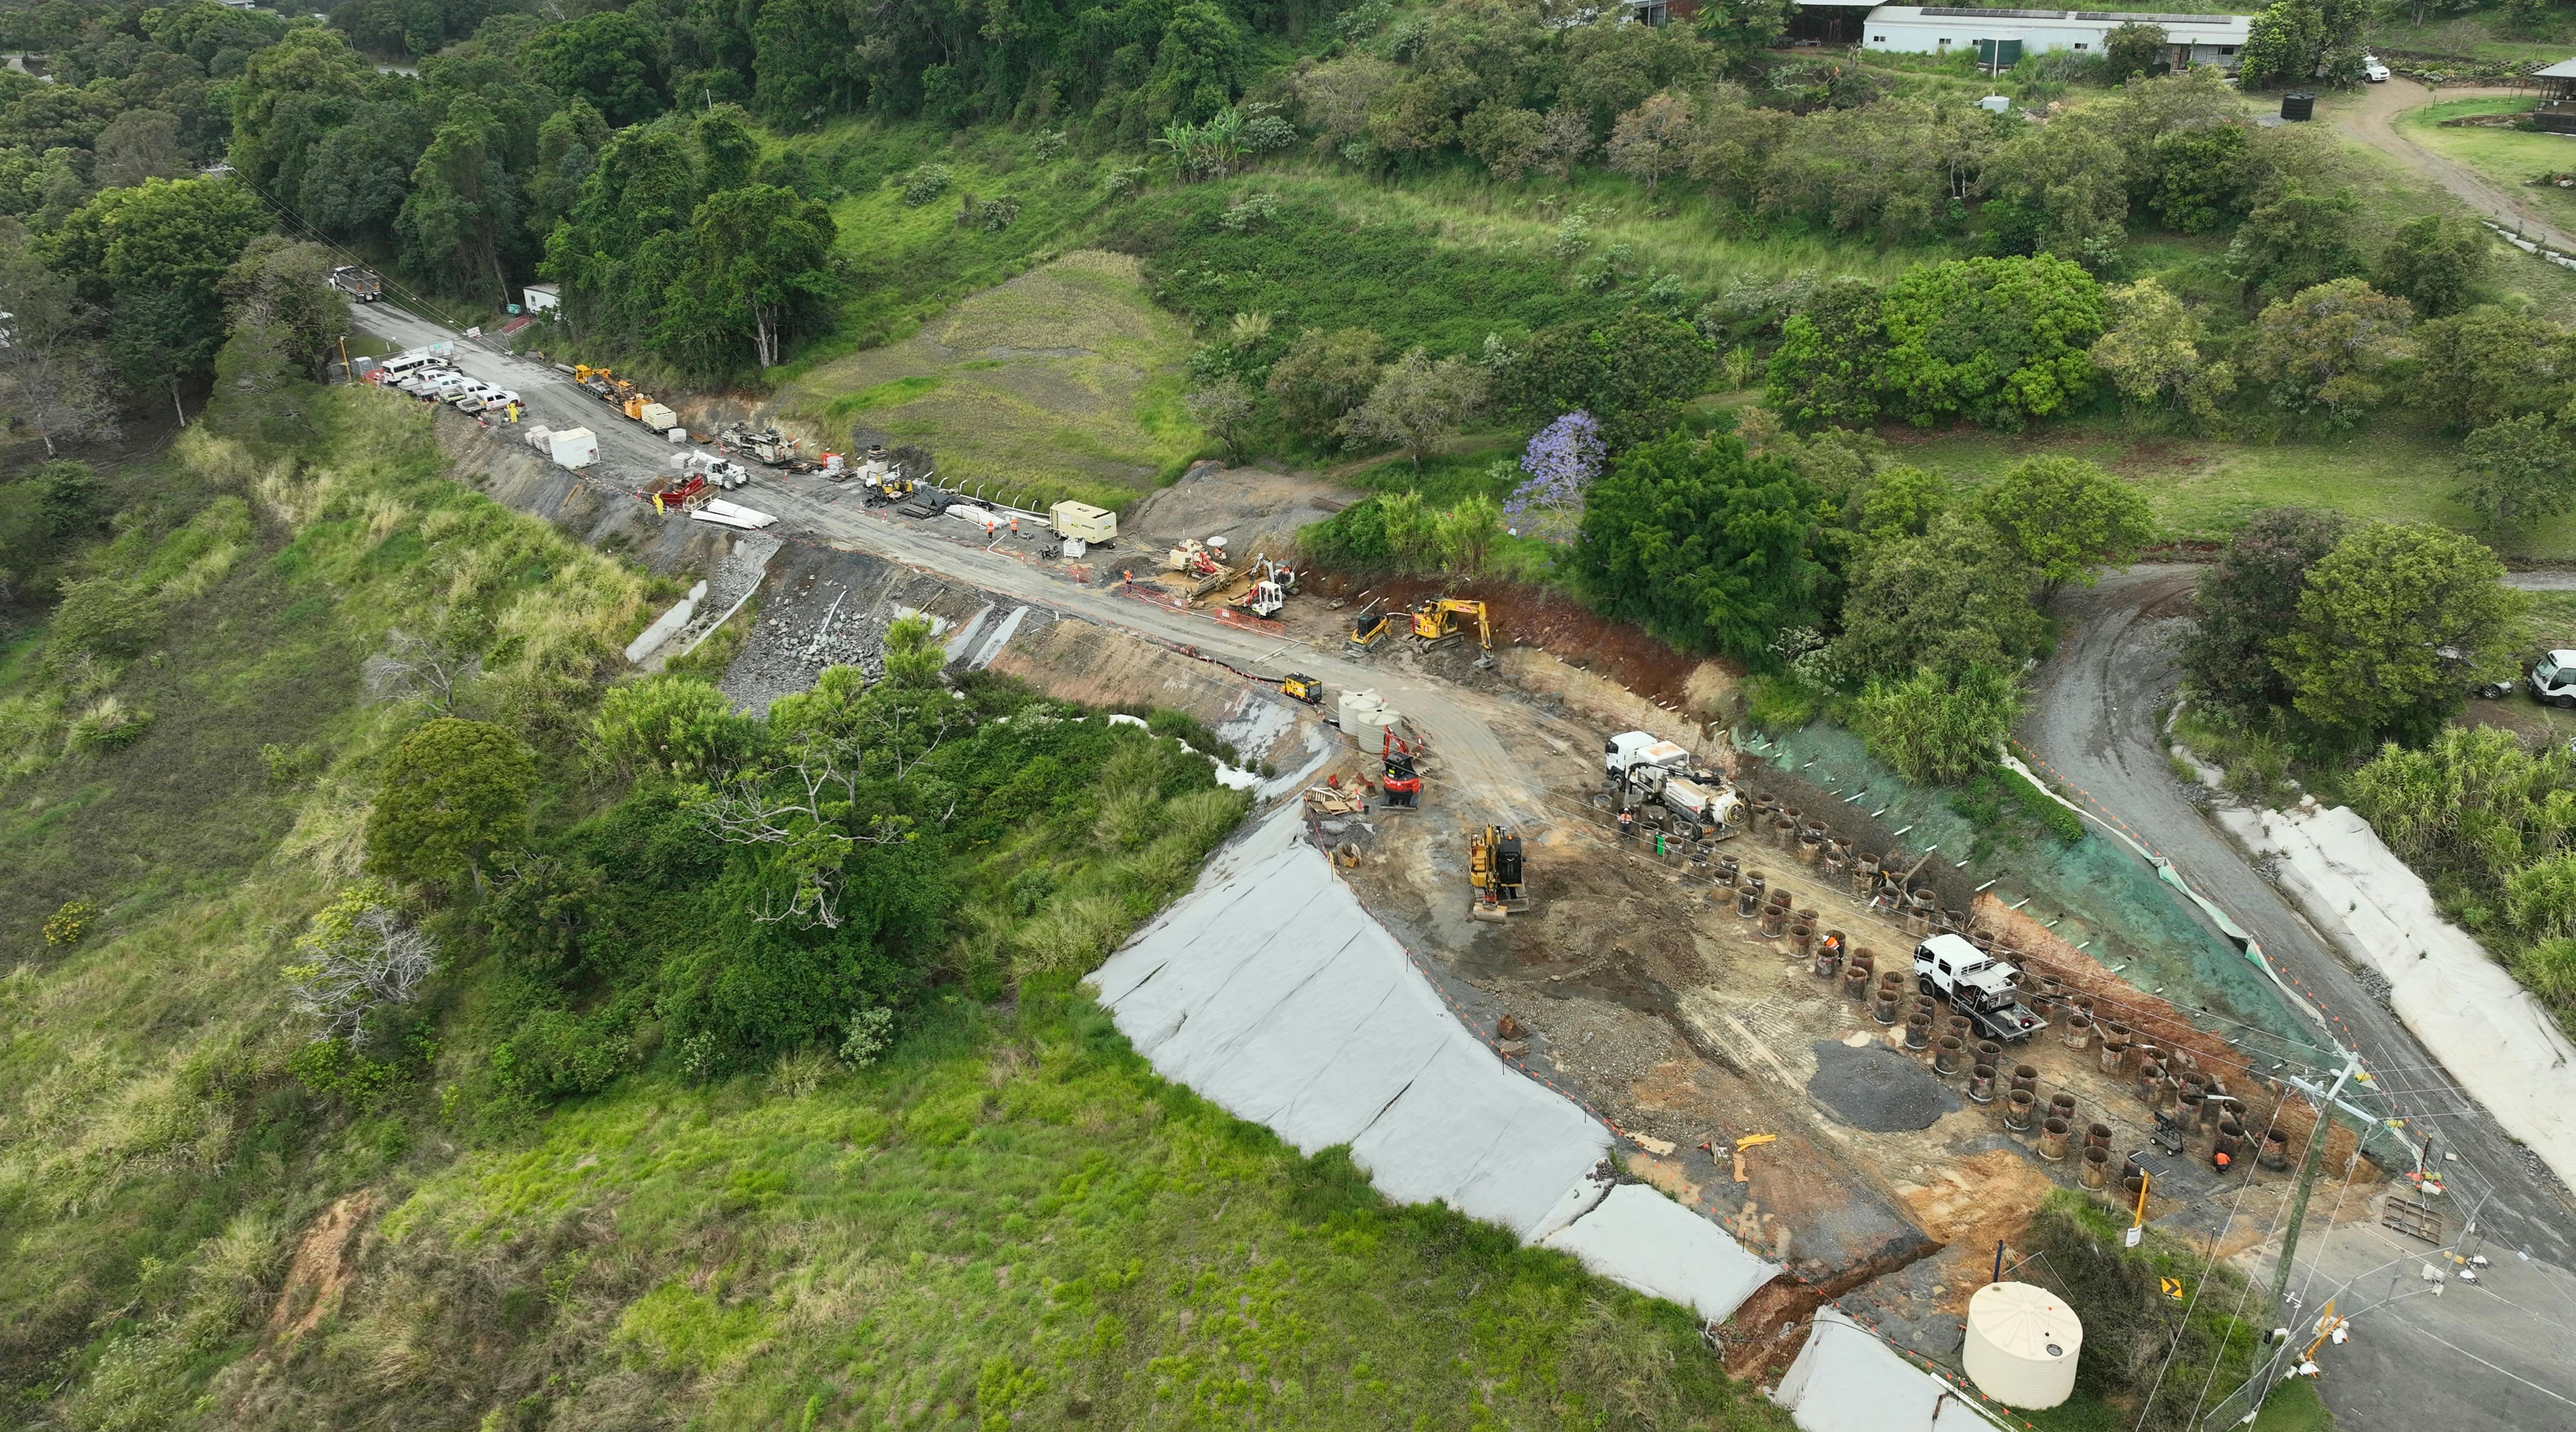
x: 1701, y: 544
x: 2247, y: 600
x: 2367, y: 655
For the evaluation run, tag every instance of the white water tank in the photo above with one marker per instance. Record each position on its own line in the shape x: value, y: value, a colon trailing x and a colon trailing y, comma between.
x: 2021, y: 1345
x: 1365, y: 717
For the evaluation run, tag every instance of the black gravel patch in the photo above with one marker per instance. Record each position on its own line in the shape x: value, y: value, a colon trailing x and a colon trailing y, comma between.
x: 1876, y: 1088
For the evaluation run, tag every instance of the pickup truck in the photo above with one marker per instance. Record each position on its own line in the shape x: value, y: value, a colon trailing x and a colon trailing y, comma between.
x: 473, y: 395
x: 1983, y: 988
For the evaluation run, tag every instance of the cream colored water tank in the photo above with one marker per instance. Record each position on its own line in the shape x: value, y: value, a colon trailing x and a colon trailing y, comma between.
x: 2022, y: 1344
x: 1365, y: 717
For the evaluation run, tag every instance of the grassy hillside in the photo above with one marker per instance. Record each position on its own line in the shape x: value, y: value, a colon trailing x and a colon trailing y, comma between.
x: 1065, y: 381
x: 1003, y: 1216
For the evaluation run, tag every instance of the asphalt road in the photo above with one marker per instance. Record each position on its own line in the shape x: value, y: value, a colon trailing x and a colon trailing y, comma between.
x: 2093, y: 718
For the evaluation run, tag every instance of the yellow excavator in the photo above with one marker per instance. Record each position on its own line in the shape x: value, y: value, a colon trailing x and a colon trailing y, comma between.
x: 1494, y: 872
x: 1438, y: 623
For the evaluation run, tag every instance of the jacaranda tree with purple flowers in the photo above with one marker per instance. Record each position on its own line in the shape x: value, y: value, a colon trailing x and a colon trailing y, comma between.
x: 1561, y: 462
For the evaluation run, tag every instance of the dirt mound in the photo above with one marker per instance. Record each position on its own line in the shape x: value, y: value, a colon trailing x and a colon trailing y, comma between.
x: 1556, y: 623
x: 1257, y: 511
x: 322, y: 1267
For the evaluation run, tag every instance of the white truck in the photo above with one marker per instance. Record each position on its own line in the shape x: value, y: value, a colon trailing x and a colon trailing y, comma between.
x: 1983, y: 988
x: 1646, y: 769
x: 2553, y: 679
x: 1633, y: 750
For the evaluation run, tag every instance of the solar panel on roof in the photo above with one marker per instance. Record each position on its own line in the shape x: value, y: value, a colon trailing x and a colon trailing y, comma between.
x: 1976, y: 13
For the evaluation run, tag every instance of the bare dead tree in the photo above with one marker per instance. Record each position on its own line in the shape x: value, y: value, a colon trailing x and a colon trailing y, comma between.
x: 378, y: 959
x: 807, y: 808
x: 412, y: 667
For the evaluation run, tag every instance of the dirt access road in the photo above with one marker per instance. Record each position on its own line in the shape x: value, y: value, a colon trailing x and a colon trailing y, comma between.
x: 2374, y: 122
x: 2093, y: 718
x: 1460, y: 724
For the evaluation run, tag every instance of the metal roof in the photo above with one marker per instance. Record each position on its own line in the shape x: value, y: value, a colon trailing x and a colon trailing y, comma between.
x: 1967, y: 12
x: 2563, y: 70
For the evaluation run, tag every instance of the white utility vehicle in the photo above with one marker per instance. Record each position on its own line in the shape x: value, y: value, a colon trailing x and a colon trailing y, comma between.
x: 1983, y: 988
x: 2553, y: 678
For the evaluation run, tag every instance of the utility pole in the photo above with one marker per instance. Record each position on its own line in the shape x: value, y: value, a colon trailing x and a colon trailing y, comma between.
x: 2308, y: 1170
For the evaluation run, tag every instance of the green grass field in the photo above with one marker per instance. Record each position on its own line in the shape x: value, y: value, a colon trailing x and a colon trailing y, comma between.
x: 2392, y: 470
x: 2507, y: 158
x: 1065, y: 381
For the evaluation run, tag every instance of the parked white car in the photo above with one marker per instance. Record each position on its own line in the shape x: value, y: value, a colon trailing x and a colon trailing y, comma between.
x: 424, y: 383
x: 497, y: 400
x: 2373, y: 71
x: 474, y: 395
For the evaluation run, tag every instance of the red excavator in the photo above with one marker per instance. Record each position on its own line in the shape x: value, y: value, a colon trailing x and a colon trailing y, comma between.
x: 1402, y: 783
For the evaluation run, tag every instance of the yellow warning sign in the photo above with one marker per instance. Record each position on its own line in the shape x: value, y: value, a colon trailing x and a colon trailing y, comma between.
x: 2173, y: 1288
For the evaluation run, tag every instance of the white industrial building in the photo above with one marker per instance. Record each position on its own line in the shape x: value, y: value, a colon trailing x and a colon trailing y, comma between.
x: 2000, y: 37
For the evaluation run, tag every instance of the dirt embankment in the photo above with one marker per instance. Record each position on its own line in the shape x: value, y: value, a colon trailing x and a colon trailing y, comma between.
x: 587, y: 507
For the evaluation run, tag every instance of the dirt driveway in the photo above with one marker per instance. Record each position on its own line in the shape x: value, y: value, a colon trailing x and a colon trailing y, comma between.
x: 2374, y: 122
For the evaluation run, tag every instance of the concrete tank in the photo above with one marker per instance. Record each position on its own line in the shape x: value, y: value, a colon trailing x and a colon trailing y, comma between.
x: 2022, y: 1344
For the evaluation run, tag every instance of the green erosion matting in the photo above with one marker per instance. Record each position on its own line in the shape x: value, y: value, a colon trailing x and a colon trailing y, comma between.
x: 2096, y: 894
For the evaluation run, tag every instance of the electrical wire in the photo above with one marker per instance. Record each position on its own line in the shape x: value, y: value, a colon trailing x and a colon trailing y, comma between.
x: 2209, y: 1263
x: 419, y: 301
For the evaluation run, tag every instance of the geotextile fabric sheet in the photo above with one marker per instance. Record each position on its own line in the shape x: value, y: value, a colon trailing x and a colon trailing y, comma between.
x: 2490, y: 1033
x: 1846, y: 1380
x: 1270, y: 990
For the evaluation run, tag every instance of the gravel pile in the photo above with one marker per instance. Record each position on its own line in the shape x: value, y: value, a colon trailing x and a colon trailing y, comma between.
x: 1878, y: 1089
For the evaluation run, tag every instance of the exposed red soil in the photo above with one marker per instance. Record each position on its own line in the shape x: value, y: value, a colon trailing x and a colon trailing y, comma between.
x: 1544, y: 617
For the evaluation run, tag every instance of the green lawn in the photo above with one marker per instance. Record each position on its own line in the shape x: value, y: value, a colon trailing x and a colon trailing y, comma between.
x: 2393, y: 470
x: 2507, y: 158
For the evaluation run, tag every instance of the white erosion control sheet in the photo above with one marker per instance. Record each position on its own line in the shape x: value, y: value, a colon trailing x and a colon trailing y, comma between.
x: 1846, y: 1380
x: 2487, y: 1030
x: 1271, y: 991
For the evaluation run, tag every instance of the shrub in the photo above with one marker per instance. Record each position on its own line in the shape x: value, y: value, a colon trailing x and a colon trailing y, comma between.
x: 1938, y: 727
x: 926, y: 183
x: 108, y: 726
x: 1780, y: 703
x: 69, y: 925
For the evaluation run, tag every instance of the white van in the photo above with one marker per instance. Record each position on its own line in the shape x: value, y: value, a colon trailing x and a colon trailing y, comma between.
x: 2553, y: 678
x: 403, y: 365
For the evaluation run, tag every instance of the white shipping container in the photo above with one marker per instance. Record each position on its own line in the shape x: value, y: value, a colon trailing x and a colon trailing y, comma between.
x: 574, y: 447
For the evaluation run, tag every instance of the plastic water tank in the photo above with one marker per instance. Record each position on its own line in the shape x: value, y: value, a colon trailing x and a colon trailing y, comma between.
x: 2298, y: 106
x: 2022, y: 1344
x: 1365, y: 717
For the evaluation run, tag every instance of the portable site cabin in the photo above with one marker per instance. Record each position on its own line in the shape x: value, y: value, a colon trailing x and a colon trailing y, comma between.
x: 2001, y: 37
